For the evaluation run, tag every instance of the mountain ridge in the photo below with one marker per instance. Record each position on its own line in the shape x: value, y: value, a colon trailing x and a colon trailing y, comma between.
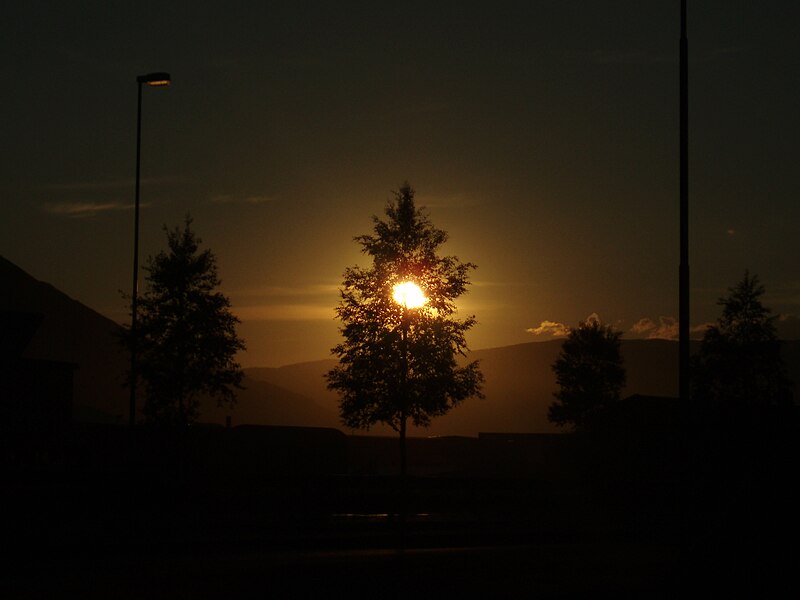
x: 519, y: 380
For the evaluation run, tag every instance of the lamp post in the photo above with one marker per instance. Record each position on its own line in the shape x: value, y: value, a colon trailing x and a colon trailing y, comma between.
x: 684, y: 381
x: 153, y: 80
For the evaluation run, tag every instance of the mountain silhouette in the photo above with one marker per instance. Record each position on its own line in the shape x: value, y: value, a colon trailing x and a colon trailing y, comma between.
x: 264, y: 403
x: 74, y: 333
x: 519, y: 381
x: 519, y: 386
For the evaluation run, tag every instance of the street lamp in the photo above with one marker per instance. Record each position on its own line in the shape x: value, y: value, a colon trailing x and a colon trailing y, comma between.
x: 153, y: 80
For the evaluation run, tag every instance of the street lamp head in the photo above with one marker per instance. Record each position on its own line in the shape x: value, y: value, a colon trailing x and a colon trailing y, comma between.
x: 155, y: 79
x: 409, y: 295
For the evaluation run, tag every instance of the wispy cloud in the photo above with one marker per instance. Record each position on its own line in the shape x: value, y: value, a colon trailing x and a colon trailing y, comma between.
x: 309, y: 302
x: 84, y: 209
x: 665, y: 328
x: 274, y: 291
x: 285, y: 312
x: 483, y: 283
x: 697, y: 331
x: 108, y: 184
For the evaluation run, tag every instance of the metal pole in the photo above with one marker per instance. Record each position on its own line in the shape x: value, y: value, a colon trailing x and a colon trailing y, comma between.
x: 683, y: 324
x: 135, y: 287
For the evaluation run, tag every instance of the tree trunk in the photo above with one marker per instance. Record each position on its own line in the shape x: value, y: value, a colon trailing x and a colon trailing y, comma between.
x: 403, y: 483
x: 403, y: 447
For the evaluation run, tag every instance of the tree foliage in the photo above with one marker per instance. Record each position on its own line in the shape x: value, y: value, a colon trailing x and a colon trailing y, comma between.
x: 589, y: 373
x: 396, y: 363
x: 186, y: 333
x: 739, y: 363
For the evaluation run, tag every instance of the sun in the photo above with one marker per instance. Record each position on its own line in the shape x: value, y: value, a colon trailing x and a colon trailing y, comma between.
x: 409, y: 295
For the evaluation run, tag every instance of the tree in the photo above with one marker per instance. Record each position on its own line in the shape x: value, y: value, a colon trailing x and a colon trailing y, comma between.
x: 739, y: 364
x: 398, y: 362
x: 589, y: 373
x: 186, y: 334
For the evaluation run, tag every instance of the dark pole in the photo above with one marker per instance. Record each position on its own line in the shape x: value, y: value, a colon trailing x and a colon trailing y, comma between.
x: 154, y: 80
x: 135, y: 288
x: 683, y: 324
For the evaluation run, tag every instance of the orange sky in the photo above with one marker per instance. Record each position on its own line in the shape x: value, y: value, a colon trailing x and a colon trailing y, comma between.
x: 542, y: 136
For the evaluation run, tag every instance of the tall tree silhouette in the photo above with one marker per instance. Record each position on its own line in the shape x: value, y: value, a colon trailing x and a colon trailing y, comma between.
x: 739, y: 363
x: 187, y: 339
x: 399, y: 361
x: 589, y: 373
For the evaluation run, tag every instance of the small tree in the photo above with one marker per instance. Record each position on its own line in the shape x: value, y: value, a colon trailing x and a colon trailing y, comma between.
x: 739, y: 363
x: 398, y: 362
x: 186, y: 334
x: 589, y: 373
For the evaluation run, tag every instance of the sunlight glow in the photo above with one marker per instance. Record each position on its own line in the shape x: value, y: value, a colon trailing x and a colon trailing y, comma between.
x: 409, y: 295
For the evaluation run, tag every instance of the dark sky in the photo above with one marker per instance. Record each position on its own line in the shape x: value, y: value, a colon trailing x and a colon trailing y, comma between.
x: 542, y: 135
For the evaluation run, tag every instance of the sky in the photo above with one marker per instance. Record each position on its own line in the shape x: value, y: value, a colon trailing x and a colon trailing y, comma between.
x: 541, y: 135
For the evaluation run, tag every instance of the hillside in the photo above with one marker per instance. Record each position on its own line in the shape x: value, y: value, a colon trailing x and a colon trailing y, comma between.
x: 264, y: 403
x: 519, y: 385
x: 72, y: 332
x: 519, y: 381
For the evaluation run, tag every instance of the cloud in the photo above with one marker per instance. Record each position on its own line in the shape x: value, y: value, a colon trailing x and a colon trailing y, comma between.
x: 698, y: 331
x: 593, y: 318
x: 554, y: 329
x: 285, y: 312
x: 549, y: 329
x: 308, y: 302
x: 666, y: 328
x: 274, y: 291
x: 109, y: 184
x: 84, y: 209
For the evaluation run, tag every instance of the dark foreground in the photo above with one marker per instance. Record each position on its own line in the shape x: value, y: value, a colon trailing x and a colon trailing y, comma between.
x: 258, y: 515
x: 548, y: 570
